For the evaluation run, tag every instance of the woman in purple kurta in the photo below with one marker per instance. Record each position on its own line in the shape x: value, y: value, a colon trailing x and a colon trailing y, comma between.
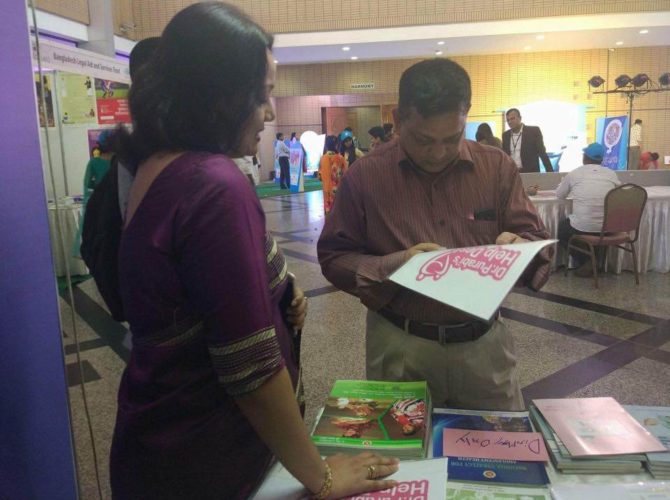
x: 209, y: 389
x: 206, y: 282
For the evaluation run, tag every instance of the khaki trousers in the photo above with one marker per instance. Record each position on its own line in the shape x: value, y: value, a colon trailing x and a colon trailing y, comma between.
x: 478, y: 375
x: 634, y: 158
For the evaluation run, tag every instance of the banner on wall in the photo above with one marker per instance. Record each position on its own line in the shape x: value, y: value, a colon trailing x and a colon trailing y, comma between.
x: 112, y: 102
x: 76, y: 99
x: 57, y: 56
x: 296, y: 157
x: 44, y: 91
x: 612, y: 132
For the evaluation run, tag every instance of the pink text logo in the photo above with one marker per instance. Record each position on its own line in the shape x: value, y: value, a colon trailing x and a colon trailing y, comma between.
x: 493, y: 261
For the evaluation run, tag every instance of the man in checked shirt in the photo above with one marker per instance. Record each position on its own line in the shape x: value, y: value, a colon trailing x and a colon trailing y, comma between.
x: 427, y: 189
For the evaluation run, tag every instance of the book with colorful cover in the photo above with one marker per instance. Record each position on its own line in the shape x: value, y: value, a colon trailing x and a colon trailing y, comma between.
x: 486, y: 470
x: 596, y: 427
x: 387, y: 417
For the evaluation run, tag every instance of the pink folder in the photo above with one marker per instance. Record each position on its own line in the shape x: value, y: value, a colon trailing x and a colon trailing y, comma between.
x: 596, y: 426
x: 525, y: 446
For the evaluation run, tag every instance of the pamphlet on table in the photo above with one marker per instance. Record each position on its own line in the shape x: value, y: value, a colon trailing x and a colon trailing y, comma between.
x: 474, y: 280
x: 390, y: 418
x: 465, y: 491
x: 641, y: 490
x: 496, y: 471
x: 418, y: 480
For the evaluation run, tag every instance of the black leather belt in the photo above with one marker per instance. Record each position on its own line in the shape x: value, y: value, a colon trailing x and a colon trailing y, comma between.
x: 444, y: 334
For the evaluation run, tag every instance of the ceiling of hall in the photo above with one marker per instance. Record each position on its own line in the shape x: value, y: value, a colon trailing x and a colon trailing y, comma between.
x: 534, y: 35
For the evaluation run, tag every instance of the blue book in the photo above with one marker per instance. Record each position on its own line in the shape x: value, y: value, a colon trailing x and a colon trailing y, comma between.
x: 485, y: 470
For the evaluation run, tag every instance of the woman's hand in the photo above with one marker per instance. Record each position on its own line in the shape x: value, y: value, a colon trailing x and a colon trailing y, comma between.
x: 360, y: 473
x: 297, y: 311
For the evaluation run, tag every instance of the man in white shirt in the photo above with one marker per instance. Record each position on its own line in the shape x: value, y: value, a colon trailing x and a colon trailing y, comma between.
x: 587, y: 186
x: 282, y: 153
x: 635, y: 145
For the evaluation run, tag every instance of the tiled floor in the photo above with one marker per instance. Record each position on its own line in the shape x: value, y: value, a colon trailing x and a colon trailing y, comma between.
x: 571, y: 339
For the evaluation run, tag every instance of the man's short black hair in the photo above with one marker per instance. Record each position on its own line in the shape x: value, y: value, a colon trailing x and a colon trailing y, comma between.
x: 434, y: 87
x: 279, y: 135
x: 512, y: 110
x: 638, y: 122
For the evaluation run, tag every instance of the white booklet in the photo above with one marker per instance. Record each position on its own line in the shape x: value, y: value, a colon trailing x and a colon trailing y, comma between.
x: 420, y: 480
x: 474, y: 280
x: 642, y: 490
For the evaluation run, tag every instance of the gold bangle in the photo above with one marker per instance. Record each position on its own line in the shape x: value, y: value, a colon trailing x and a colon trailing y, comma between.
x: 327, y: 484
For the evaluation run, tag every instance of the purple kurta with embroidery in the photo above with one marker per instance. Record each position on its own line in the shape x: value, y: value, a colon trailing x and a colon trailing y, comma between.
x: 201, y: 282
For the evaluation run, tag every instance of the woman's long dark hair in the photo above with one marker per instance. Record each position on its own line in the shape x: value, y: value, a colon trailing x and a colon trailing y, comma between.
x: 205, y: 80
x: 484, y: 132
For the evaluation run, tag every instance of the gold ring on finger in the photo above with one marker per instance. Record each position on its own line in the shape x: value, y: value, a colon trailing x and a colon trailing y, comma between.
x: 372, y: 472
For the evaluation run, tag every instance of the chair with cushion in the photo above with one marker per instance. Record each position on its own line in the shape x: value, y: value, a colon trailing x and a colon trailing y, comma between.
x: 623, y: 211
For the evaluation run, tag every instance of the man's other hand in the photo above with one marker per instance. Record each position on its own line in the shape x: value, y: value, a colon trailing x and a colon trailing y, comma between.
x: 509, y: 239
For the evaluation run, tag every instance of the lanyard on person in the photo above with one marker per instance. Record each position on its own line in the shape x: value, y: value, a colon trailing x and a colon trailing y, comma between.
x: 518, y: 138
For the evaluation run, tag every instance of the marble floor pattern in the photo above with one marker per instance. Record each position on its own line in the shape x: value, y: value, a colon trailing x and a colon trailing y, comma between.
x: 572, y: 340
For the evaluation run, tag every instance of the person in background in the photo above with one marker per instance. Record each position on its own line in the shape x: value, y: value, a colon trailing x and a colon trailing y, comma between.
x: 209, y: 392
x: 347, y: 148
x: 353, y: 136
x: 96, y: 170
x: 98, y: 166
x: 332, y: 168
x: 388, y: 130
x: 587, y: 185
x: 377, y: 137
x: 524, y: 144
x: 485, y: 135
x: 649, y: 161
x: 247, y: 167
x: 293, y: 138
x: 635, y: 145
x: 282, y: 153
x: 431, y: 189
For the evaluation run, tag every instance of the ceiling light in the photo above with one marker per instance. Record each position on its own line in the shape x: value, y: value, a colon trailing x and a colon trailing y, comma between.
x: 619, y: 42
x: 276, y: 62
x: 640, y: 79
x: 527, y: 47
x: 644, y: 32
x: 539, y: 37
x: 346, y: 49
x: 596, y: 81
x: 354, y: 58
x: 438, y: 52
x: 441, y: 42
x: 664, y: 79
x: 622, y: 80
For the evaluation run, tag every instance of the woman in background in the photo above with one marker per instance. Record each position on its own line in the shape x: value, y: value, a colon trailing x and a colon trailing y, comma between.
x: 348, y: 149
x: 485, y: 135
x: 649, y: 161
x: 209, y: 393
x: 332, y: 168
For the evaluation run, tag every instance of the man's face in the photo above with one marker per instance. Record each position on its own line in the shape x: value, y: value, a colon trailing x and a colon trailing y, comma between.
x: 431, y: 143
x: 513, y: 119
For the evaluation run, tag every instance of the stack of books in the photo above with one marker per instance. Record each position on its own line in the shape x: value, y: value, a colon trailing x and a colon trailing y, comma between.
x: 656, y: 419
x: 390, y: 418
x: 592, y: 436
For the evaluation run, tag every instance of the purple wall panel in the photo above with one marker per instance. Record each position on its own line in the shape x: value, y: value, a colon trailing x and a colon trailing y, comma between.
x: 36, y: 450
